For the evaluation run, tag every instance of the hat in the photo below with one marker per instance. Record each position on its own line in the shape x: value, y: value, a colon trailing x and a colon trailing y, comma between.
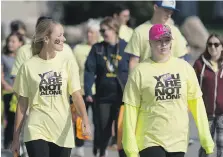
x: 159, y: 31
x: 168, y: 4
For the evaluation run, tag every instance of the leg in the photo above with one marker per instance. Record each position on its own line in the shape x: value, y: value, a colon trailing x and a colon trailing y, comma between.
x: 121, y: 153
x: 57, y: 151
x: 115, y: 116
x: 7, y: 133
x: 10, y: 128
x: 219, y: 136
x: 212, y: 126
x: 155, y: 151
x: 105, y: 122
x: 37, y: 148
x: 95, y: 113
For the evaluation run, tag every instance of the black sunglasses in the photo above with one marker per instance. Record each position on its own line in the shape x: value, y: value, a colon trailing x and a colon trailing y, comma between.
x: 215, y: 44
x: 103, y: 30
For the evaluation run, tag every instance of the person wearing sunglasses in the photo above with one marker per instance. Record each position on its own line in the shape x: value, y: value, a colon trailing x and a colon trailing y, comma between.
x: 107, y: 66
x: 209, y: 70
x: 156, y: 98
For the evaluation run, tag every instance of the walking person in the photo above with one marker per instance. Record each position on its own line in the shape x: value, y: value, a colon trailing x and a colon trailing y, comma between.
x: 122, y: 14
x: 13, y: 42
x: 81, y: 52
x: 45, y: 83
x: 157, y: 96
x: 107, y: 66
x: 138, y: 46
x: 209, y: 70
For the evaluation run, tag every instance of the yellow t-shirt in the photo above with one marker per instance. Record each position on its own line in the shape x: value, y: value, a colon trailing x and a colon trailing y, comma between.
x: 139, y: 42
x: 81, y: 52
x: 47, y: 84
x: 161, y: 92
x: 24, y: 53
x: 125, y: 32
x: 214, y: 66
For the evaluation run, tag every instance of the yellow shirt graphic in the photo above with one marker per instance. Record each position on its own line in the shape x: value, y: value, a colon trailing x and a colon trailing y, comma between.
x: 81, y: 52
x: 125, y: 32
x: 160, y: 92
x: 24, y: 53
x: 139, y: 42
x: 48, y: 84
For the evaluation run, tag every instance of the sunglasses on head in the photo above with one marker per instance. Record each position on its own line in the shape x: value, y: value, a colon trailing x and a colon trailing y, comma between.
x: 215, y: 44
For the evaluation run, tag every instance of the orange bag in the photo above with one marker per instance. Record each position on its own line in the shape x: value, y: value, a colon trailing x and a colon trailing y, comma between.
x: 78, y: 122
x: 120, y: 127
x: 79, y: 130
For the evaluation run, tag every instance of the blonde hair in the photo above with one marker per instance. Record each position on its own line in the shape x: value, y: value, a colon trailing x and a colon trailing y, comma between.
x: 43, y: 29
x: 111, y: 23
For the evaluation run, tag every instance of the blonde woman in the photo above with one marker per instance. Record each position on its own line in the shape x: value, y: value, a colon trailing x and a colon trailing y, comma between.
x: 109, y: 63
x: 45, y: 82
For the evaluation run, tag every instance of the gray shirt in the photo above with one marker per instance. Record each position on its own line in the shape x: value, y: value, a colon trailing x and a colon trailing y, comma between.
x: 7, y: 62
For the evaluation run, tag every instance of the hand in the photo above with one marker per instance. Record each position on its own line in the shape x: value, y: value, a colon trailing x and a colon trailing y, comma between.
x: 86, y: 129
x: 15, y: 147
x: 89, y: 99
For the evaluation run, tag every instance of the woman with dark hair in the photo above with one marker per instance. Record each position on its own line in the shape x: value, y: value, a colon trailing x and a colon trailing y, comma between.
x: 108, y: 62
x: 13, y: 42
x: 209, y: 70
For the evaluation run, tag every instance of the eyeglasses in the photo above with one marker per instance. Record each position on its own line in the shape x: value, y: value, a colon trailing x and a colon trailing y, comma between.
x: 215, y: 44
x: 102, y: 31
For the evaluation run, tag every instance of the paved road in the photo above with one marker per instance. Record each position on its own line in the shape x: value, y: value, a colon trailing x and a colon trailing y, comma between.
x: 192, y: 150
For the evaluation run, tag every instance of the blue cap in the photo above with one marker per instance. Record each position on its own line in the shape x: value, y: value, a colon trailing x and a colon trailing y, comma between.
x: 168, y: 4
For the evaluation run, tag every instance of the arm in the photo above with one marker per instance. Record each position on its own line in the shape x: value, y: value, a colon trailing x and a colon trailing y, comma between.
x: 132, y: 100
x: 21, y: 109
x: 80, y: 106
x: 198, y: 111
x: 134, y: 60
x: 74, y: 90
x: 129, y: 127
x: 5, y: 85
x: 196, y: 106
x: 134, y: 49
x: 90, y: 72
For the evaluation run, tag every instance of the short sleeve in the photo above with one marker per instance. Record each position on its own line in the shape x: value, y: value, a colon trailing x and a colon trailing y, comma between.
x: 133, y: 46
x: 23, y: 54
x: 21, y: 84
x: 68, y: 51
x: 132, y: 92
x: 73, y: 77
x: 193, y: 88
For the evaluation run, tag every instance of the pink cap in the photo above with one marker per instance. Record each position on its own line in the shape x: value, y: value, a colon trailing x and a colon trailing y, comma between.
x: 159, y: 31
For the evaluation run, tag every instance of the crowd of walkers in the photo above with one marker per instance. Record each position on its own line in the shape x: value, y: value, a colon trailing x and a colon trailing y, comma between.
x: 138, y: 84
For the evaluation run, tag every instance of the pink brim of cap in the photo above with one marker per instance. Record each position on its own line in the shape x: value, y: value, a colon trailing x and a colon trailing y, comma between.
x: 160, y: 36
